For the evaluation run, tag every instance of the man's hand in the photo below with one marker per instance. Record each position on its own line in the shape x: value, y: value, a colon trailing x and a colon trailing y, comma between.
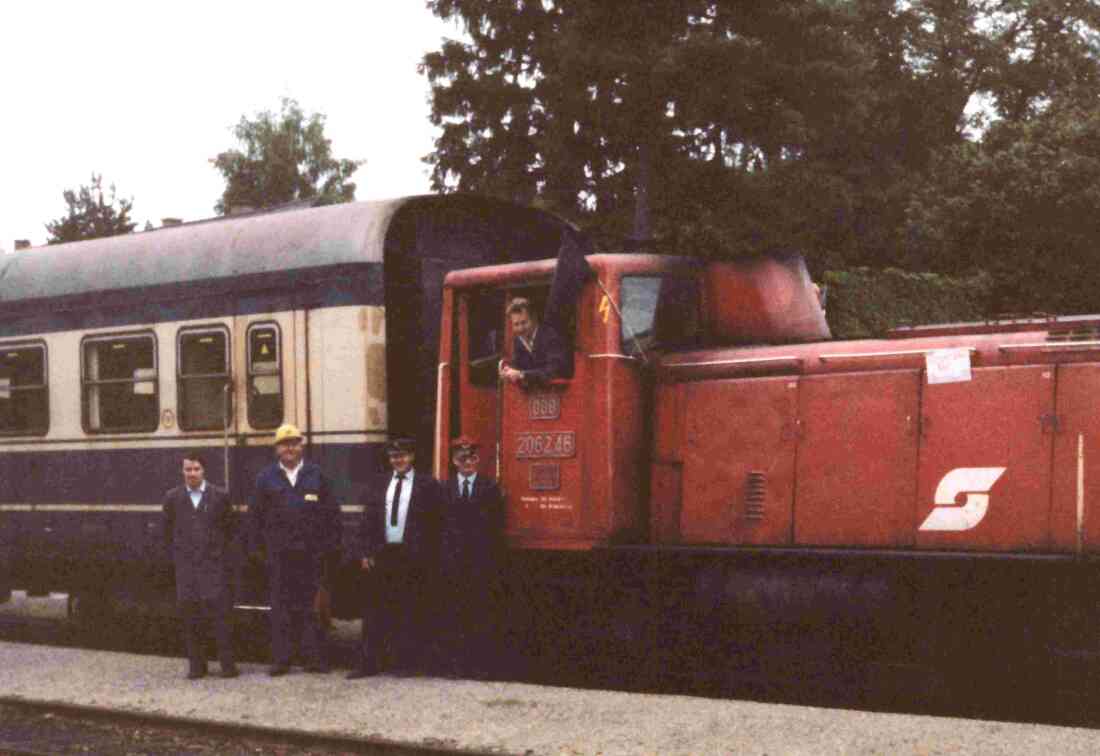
x: 367, y: 563
x: 511, y: 374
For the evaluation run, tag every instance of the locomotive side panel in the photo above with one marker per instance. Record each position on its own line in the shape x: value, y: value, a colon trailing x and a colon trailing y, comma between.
x: 857, y: 455
x: 1075, y: 488
x: 739, y: 457
x: 984, y: 478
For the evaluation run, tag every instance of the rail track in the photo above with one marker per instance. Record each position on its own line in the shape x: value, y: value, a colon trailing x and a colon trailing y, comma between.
x: 46, y: 729
x: 775, y: 669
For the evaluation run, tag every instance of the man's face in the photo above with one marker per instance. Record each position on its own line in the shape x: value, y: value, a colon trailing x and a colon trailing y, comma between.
x: 193, y: 474
x: 401, y: 461
x: 289, y: 452
x: 523, y: 324
x: 466, y: 462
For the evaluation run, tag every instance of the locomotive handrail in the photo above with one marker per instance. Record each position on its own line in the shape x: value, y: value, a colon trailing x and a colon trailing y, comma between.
x: 1053, y: 346
x: 611, y: 356
x: 870, y: 355
x: 746, y: 361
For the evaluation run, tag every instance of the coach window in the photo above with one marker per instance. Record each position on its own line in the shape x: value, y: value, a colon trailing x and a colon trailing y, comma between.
x: 265, y: 376
x: 24, y: 398
x: 203, y: 377
x: 119, y: 384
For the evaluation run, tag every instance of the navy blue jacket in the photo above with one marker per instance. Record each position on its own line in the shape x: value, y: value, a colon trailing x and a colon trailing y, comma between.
x: 473, y: 529
x: 303, y: 518
x: 422, y: 521
x: 547, y: 361
x: 200, y: 542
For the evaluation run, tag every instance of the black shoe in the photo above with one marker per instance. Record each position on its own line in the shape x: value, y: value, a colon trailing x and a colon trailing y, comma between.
x: 317, y: 669
x: 196, y: 673
x: 278, y: 670
x: 230, y: 672
x: 359, y: 674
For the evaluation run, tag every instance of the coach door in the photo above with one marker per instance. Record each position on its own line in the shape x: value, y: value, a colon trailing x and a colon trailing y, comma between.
x: 267, y: 381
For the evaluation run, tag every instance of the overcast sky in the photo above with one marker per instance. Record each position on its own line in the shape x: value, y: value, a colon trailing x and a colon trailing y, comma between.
x: 145, y: 93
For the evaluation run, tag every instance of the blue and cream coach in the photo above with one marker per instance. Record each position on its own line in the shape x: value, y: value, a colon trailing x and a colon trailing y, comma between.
x: 117, y: 353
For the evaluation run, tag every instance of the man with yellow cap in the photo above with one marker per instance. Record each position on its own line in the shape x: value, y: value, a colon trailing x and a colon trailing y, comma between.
x: 296, y: 526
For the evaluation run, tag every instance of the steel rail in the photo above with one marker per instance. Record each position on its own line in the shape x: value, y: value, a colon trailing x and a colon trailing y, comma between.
x: 371, y: 744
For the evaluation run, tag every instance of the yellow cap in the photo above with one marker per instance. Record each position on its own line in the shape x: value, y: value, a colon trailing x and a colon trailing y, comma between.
x: 288, y: 432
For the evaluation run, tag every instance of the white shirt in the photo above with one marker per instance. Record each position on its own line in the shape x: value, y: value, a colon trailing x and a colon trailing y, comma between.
x: 292, y: 475
x: 396, y: 533
x: 461, y: 482
x: 196, y: 494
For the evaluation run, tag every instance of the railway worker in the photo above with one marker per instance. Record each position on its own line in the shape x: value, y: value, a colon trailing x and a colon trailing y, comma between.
x: 296, y: 528
x: 399, y: 556
x: 199, y: 527
x: 473, y: 547
x: 538, y: 353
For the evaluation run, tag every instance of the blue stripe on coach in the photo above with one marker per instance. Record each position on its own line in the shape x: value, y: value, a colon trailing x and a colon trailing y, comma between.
x: 359, y: 284
x: 141, y: 476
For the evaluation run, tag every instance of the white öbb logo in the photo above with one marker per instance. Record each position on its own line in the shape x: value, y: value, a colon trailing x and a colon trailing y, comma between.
x: 975, y: 482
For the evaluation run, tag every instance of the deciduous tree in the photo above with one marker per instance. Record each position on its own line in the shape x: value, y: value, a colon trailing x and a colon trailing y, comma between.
x: 742, y: 125
x: 283, y: 157
x: 1024, y: 205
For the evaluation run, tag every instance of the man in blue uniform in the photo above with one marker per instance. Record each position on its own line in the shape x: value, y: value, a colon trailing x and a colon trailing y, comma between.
x: 296, y: 527
x: 199, y: 527
x: 473, y: 548
x: 399, y: 556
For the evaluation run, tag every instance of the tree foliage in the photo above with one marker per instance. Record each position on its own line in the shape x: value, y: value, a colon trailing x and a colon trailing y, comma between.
x: 1024, y: 204
x: 91, y: 215
x: 746, y: 125
x: 283, y: 157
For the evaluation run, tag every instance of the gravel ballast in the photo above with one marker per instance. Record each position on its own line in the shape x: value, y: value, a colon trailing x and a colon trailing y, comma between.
x: 504, y: 717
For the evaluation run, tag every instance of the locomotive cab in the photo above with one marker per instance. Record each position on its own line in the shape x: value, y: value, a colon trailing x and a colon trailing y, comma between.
x: 570, y: 454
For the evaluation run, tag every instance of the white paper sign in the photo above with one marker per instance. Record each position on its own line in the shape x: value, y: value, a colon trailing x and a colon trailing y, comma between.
x: 149, y: 388
x: 947, y: 365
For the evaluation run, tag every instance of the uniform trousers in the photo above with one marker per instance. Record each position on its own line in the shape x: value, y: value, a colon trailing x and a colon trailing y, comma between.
x: 473, y: 622
x: 395, y: 601
x: 195, y: 614
x: 295, y: 580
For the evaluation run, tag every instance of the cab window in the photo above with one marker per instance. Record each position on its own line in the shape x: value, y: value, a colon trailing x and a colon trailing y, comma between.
x: 119, y: 384
x: 265, y: 376
x: 486, y: 335
x: 659, y: 312
x: 566, y: 321
x: 203, y: 360
x: 24, y: 395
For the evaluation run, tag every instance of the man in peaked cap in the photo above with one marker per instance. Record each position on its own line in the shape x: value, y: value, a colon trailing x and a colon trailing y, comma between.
x: 296, y: 525
x: 473, y: 547
x: 399, y: 557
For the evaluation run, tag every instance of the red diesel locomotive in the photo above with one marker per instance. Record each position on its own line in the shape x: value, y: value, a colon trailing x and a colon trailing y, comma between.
x: 716, y: 464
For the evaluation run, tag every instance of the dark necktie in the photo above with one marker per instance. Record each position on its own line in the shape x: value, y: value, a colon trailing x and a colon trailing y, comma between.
x: 396, y: 501
x: 466, y: 488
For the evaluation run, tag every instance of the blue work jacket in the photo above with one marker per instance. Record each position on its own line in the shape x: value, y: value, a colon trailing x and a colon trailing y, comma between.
x: 303, y: 518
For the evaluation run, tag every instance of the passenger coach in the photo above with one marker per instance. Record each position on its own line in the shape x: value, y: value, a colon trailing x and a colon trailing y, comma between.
x: 118, y: 353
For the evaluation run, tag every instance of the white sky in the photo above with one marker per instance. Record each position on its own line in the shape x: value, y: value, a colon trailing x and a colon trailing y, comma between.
x: 145, y: 93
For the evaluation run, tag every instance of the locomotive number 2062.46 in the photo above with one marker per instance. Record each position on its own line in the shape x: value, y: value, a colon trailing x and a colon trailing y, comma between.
x: 553, y: 444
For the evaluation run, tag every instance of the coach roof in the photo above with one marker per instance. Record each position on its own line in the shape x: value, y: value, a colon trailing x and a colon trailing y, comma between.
x: 261, y: 244
x: 219, y: 248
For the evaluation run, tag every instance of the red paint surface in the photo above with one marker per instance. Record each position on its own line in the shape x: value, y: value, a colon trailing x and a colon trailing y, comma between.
x: 857, y: 458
